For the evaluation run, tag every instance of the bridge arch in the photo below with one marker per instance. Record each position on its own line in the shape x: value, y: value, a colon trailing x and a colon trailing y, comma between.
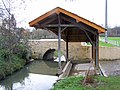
x: 49, y: 54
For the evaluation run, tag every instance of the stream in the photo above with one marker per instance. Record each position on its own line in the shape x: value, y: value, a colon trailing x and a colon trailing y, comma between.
x: 38, y: 75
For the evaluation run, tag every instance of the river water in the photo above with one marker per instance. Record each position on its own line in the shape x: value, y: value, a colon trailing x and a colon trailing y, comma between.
x: 38, y: 75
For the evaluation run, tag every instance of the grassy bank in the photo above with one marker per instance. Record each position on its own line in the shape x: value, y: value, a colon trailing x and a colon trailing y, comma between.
x: 102, y: 83
x: 12, y: 61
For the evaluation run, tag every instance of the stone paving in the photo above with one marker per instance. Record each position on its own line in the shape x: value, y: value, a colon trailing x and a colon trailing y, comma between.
x: 81, y: 69
x: 111, y: 68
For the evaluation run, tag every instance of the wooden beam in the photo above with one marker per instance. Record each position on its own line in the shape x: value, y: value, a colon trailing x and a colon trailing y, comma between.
x: 93, y: 52
x: 45, y: 22
x: 79, y: 25
x: 59, y: 45
x: 94, y: 49
x: 97, y: 50
x: 88, y: 37
x: 61, y: 25
x: 63, y: 29
x: 40, y: 18
x: 69, y: 14
x: 87, y: 28
x: 80, y: 19
x: 67, y: 48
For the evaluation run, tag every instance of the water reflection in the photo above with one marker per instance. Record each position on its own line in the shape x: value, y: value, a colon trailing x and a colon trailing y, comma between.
x: 44, y: 67
x: 39, y: 75
x: 36, y: 82
x: 7, y: 84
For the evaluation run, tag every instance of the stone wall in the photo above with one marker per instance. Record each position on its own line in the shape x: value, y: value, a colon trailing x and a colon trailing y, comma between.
x: 39, y: 47
x: 76, y: 50
x: 109, y: 53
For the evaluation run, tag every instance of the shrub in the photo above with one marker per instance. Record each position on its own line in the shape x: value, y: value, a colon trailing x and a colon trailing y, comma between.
x: 4, y: 55
x: 9, y: 63
x: 2, y: 69
x: 17, y: 62
x: 22, y: 51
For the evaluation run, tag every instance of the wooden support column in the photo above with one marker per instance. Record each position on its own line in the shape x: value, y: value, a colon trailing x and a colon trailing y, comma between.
x: 67, y: 48
x: 59, y: 45
x: 97, y: 50
x: 93, y: 52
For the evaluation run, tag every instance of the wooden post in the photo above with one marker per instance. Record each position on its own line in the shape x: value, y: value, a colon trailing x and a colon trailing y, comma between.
x: 59, y: 45
x: 97, y: 50
x: 93, y: 52
x: 67, y: 48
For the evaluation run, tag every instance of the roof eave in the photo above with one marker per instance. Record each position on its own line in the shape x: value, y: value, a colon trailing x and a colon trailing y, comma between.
x: 60, y: 10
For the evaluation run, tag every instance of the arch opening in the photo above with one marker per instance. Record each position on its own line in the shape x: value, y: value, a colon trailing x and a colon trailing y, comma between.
x: 52, y: 55
x: 49, y: 54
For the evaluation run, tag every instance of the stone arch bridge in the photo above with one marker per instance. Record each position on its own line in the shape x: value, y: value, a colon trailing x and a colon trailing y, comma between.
x: 76, y: 50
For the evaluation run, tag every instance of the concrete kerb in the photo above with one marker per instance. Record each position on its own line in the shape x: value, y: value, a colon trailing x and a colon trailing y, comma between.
x: 102, y: 71
x: 66, y: 70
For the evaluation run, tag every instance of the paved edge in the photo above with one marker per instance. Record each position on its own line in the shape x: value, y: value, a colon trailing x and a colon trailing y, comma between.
x: 102, y: 71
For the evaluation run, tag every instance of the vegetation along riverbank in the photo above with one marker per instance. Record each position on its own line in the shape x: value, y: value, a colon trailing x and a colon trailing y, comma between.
x: 12, y: 61
x: 14, y: 51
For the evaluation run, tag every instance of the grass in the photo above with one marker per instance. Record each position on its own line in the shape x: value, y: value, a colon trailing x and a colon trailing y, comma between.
x: 109, y: 39
x: 75, y: 83
x: 56, y: 53
x: 112, y: 38
x: 105, y: 44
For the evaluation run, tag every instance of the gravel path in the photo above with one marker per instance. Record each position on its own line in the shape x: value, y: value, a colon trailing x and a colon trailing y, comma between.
x: 111, y: 68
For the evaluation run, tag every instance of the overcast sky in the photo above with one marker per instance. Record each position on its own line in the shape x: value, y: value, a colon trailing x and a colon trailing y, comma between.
x: 93, y: 10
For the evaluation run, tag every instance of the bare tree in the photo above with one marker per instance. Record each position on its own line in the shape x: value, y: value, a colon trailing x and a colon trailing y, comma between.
x: 9, y: 36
